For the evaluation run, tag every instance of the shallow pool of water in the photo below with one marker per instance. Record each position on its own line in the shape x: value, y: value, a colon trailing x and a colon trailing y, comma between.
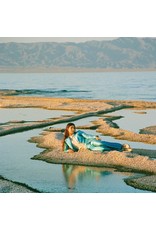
x: 30, y: 114
x: 16, y: 165
x: 134, y: 120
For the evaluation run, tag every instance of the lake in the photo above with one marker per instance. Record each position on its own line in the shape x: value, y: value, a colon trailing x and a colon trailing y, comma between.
x: 106, y: 85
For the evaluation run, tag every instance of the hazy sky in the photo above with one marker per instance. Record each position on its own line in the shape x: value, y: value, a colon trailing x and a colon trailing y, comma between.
x: 52, y: 39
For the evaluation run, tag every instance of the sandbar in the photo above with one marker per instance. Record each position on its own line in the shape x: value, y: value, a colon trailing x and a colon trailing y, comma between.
x: 142, y: 161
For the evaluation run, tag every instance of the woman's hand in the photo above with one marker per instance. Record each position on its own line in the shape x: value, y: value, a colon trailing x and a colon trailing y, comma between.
x: 98, y: 138
x: 70, y: 151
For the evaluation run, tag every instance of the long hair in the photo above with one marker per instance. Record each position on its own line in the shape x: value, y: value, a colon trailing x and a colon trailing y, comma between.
x: 66, y: 133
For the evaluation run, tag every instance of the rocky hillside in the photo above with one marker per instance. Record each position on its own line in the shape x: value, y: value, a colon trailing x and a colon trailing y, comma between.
x: 121, y: 53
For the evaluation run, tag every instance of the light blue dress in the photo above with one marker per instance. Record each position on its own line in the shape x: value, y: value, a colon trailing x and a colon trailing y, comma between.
x: 91, y: 143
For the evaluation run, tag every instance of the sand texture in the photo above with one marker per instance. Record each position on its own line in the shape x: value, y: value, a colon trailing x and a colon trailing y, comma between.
x: 140, y: 160
x: 7, y: 186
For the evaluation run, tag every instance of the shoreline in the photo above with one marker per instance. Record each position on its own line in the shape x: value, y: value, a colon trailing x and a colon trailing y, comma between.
x: 70, y: 70
x: 9, y: 186
x: 83, y: 108
x: 50, y: 140
x: 137, y: 161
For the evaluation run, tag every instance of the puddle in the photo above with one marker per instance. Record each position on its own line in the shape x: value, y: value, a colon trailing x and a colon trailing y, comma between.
x: 133, y: 120
x: 29, y: 114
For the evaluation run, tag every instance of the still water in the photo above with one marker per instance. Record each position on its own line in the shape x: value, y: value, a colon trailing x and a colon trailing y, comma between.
x: 29, y: 114
x: 107, y: 85
x: 134, y: 120
x: 16, y: 152
x: 16, y: 165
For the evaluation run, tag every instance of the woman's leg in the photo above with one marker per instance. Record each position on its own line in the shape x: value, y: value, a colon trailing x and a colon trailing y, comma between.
x: 107, y: 145
x: 112, y: 145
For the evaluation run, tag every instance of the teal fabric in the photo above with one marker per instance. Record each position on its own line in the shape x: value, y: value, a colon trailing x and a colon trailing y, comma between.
x: 91, y: 143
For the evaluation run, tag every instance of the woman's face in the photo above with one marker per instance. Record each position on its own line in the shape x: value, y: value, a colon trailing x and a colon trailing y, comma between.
x: 71, y: 130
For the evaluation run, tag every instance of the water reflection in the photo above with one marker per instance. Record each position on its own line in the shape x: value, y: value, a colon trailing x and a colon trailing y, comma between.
x: 73, y: 173
x: 16, y: 165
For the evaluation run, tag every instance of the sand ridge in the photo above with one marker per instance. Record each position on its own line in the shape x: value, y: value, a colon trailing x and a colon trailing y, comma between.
x: 137, y: 161
x: 130, y: 161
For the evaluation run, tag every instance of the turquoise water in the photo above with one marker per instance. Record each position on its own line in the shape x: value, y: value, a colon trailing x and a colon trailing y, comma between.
x: 107, y: 85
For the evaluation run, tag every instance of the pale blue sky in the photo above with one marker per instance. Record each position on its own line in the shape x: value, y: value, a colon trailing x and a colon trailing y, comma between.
x: 52, y: 39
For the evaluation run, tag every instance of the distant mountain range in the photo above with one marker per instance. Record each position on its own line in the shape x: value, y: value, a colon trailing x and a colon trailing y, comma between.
x: 120, y: 53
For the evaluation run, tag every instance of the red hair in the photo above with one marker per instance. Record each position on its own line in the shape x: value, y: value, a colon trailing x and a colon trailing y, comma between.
x: 66, y: 133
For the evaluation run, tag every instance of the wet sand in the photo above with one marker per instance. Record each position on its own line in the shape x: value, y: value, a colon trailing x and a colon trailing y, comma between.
x: 137, y: 161
x: 145, y: 183
x: 149, y: 130
x: 7, y: 186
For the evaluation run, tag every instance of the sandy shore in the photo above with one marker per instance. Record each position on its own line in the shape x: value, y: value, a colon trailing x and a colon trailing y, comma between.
x: 69, y: 70
x: 145, y: 183
x: 129, y: 161
x: 7, y: 186
x: 149, y: 130
x: 140, y: 160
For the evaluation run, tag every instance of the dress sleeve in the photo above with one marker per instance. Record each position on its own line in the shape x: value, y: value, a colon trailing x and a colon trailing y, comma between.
x: 86, y: 135
x: 66, y: 147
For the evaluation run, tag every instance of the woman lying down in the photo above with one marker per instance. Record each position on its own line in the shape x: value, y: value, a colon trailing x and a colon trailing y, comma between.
x: 78, y: 140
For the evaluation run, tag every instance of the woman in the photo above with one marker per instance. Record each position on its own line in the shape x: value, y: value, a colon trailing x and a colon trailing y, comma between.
x: 77, y: 140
